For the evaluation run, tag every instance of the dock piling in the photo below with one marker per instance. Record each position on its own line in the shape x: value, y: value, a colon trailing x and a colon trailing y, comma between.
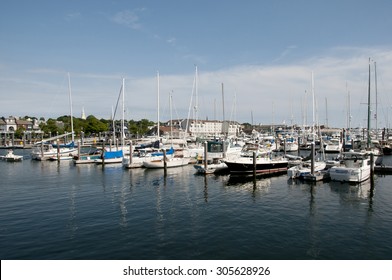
x: 164, y: 163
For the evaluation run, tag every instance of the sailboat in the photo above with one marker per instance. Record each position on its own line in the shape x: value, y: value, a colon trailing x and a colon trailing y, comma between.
x: 356, y: 165
x: 309, y: 170
x: 168, y: 160
x: 109, y: 155
x: 45, y: 150
x: 138, y: 155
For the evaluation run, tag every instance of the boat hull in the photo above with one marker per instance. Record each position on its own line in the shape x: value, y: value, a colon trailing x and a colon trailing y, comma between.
x: 352, y: 175
x: 173, y: 162
x: 262, y: 167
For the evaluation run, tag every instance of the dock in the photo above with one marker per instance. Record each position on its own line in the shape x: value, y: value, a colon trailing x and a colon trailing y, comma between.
x: 383, y: 170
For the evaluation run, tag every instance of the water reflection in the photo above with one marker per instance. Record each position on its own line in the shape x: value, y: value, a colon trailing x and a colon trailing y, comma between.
x: 353, y: 192
x: 72, y: 224
x: 255, y: 185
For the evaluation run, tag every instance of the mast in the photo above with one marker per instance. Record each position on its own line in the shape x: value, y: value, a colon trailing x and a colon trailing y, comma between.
x: 375, y: 83
x: 196, y: 108
x: 313, y: 111
x: 326, y: 112
x: 70, y: 105
x: 368, y: 120
x: 223, y: 103
x: 171, y: 117
x: 123, y: 112
x: 158, y: 104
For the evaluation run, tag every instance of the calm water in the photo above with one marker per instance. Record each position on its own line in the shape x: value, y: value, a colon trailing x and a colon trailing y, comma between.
x: 62, y: 211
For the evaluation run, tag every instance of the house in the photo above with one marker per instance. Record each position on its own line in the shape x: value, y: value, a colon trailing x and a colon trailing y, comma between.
x: 3, y: 125
x: 24, y: 124
x: 10, y: 124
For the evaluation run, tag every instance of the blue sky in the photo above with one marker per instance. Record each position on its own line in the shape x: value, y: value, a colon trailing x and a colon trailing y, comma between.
x: 262, y: 51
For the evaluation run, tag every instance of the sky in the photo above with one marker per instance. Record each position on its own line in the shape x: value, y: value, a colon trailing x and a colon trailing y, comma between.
x: 264, y: 53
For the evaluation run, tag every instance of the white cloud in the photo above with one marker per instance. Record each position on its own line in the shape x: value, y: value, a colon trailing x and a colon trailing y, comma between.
x: 272, y: 92
x: 171, y: 41
x: 128, y: 18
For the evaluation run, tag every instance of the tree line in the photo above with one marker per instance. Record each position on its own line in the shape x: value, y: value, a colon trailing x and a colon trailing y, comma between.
x: 92, y: 126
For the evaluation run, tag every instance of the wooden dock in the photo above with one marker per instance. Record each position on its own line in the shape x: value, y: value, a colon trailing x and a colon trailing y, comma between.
x: 383, y: 169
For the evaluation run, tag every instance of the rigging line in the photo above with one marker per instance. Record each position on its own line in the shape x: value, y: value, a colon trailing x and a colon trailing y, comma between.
x: 118, y: 100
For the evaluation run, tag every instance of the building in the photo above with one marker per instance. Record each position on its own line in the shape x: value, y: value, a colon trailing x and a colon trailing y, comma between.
x: 9, y: 124
x: 208, y: 128
x: 26, y: 125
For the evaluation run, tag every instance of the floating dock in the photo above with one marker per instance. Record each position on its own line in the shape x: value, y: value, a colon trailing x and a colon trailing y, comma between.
x: 383, y: 169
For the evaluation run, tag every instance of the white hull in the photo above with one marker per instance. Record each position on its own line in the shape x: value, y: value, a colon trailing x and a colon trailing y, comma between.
x: 52, y: 153
x: 170, y: 162
x: 299, y: 171
x: 355, y: 175
x: 11, y: 157
x: 356, y: 168
x: 85, y: 159
x: 211, y: 168
x: 109, y: 161
x: 137, y: 162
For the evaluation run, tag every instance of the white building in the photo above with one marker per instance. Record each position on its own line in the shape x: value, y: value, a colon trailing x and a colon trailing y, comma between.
x: 209, y: 128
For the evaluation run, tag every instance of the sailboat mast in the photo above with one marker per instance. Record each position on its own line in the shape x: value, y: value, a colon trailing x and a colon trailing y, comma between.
x: 171, y: 117
x: 375, y: 83
x: 70, y: 105
x: 223, y: 103
x: 313, y: 110
x: 368, y: 120
x: 123, y: 112
x: 196, y: 100
x: 326, y: 112
x: 158, y: 104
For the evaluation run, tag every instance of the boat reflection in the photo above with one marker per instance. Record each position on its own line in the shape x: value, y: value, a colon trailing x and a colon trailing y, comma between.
x: 353, y: 192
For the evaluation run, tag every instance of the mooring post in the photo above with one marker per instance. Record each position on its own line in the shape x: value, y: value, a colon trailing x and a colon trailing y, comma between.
x: 254, y: 164
x: 205, y: 157
x: 130, y: 152
x: 312, y: 159
x: 103, y: 154
x: 42, y: 149
x: 164, y: 163
x: 58, y: 150
x: 372, y: 171
x: 79, y: 148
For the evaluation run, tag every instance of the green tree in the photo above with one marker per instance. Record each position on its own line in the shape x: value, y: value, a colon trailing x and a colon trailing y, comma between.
x: 51, y: 128
x: 19, y: 133
x: 93, y: 125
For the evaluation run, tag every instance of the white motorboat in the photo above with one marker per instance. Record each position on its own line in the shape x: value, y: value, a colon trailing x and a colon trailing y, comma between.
x: 265, y: 163
x: 333, y: 145
x: 11, y: 157
x: 355, y: 168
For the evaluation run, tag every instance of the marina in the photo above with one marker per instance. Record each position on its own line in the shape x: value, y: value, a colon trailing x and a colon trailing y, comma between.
x: 61, y: 210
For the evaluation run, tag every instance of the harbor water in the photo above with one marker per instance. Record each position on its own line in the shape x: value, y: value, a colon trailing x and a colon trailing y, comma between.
x: 51, y: 210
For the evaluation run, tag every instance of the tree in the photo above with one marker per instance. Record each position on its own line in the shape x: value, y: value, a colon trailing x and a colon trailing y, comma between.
x: 139, y: 127
x: 93, y: 125
x: 51, y: 127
